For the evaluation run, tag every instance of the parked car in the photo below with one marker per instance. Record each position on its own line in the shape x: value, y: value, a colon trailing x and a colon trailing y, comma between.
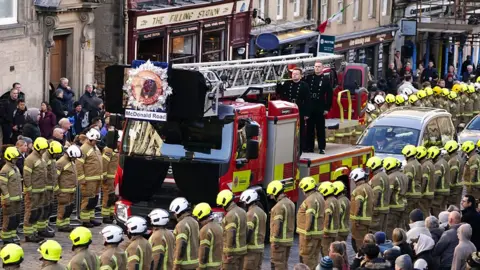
x: 471, y: 132
x: 397, y: 127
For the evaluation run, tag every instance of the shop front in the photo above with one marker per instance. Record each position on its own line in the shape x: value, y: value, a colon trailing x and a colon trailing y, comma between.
x: 374, y: 49
x: 184, y: 35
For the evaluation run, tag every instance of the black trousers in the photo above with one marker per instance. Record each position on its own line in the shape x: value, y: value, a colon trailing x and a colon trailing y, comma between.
x: 316, y: 122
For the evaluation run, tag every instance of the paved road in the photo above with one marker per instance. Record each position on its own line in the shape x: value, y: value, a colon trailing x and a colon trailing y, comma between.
x: 32, y: 256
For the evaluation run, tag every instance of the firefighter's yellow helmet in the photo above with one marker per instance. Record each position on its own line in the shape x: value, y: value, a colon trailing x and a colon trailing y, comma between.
x: 50, y: 250
x: 478, y: 143
x: 433, y: 152
x: 274, y: 188
x: 40, y: 143
x: 307, y: 183
x: 339, y: 187
x: 326, y: 188
x: 471, y: 88
x: 224, y: 197
x: 445, y: 92
x: 468, y: 146
x: 452, y: 95
x: 429, y: 91
x: 390, y: 163
x: 437, y: 90
x: 81, y: 236
x: 409, y: 150
x: 464, y: 87
x: 11, y: 153
x: 390, y: 98
x: 451, y: 146
x: 412, y: 99
x: 11, y: 254
x: 399, y: 100
x: 55, y: 148
x: 374, y: 163
x: 457, y: 88
x: 421, y: 152
x: 202, y: 210
x: 421, y: 94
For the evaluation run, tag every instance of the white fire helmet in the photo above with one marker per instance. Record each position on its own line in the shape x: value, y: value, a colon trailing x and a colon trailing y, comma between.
x: 249, y: 196
x: 358, y: 174
x: 370, y: 108
x: 93, y: 134
x: 179, y: 205
x: 406, y: 91
x: 159, y: 217
x: 136, y: 225
x: 73, y: 151
x: 379, y: 99
x: 112, y: 234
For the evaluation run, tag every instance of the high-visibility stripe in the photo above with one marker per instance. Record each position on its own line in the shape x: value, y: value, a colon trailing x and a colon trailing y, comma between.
x: 26, y: 168
x: 4, y: 179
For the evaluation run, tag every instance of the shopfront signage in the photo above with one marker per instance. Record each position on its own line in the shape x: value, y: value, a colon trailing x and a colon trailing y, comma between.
x: 162, y: 19
x: 185, y: 30
x: 363, y: 41
x: 214, y: 24
x: 327, y: 44
x: 151, y: 35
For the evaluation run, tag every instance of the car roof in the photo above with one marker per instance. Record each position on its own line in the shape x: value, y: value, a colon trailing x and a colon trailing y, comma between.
x: 409, y: 117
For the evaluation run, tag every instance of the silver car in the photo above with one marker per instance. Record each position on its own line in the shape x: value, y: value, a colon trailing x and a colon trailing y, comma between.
x: 471, y: 132
x: 400, y: 126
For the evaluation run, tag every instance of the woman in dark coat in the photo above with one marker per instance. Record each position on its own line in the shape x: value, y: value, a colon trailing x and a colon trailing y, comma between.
x: 47, y: 121
x: 57, y: 107
x: 31, y: 128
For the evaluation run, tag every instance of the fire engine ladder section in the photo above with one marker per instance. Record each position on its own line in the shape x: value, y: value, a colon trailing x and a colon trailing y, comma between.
x: 231, y: 79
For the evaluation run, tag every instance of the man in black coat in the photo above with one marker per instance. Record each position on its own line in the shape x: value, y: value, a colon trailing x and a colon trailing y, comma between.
x: 472, y: 217
x: 430, y: 73
x: 321, y: 94
x: 298, y: 92
x: 7, y: 109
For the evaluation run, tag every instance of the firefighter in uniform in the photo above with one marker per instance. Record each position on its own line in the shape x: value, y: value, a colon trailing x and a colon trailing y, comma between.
x: 380, y: 105
x: 441, y: 179
x: 211, y: 242
x: 453, y: 99
x: 139, y: 251
x: 331, y: 222
x: 113, y: 257
x: 430, y: 98
x: 372, y: 113
x: 344, y: 202
x: 413, y: 171
x: 361, y: 207
x: 282, y: 226
x: 476, y: 100
x: 390, y: 101
x: 454, y: 163
x: 414, y: 101
x: 34, y: 176
x: 467, y: 101
x: 398, y: 188
x: 162, y: 240
x: 428, y: 180
x: 89, y: 175
x: 381, y: 189
x: 310, y: 217
x: 470, y: 171
x: 298, y: 92
x: 321, y: 98
x: 67, y: 187
x: 83, y: 258
x: 444, y: 103
x: 51, y: 252
x: 257, y: 227
x: 110, y: 163
x: 11, y: 188
x: 12, y: 256
x: 186, y: 235
x: 234, y: 231
x: 421, y: 95
x: 50, y: 156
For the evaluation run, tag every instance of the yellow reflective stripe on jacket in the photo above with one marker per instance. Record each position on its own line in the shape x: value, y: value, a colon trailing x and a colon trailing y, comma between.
x: 68, y: 190
x: 364, y: 208
x: 37, y: 163
x: 89, y: 152
x: 106, y: 267
x: 97, y: 177
x: 331, y: 229
x: 81, y: 160
x: 48, y: 187
x: 4, y: 179
x: 6, y: 196
x: 38, y: 190
x: 15, y: 198
x: 81, y: 177
x: 110, y: 176
x: 26, y: 168
x: 189, y: 259
x: 132, y: 258
x: 284, y: 238
x: 12, y: 172
x: 27, y: 188
x: 343, y: 227
x: 255, y: 245
x: 106, y: 157
x: 304, y: 232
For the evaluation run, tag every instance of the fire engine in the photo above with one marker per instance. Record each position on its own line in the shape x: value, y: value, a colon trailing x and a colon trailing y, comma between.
x: 243, y: 137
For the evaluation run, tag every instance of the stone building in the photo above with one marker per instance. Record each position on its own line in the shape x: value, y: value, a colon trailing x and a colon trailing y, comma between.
x: 44, y: 40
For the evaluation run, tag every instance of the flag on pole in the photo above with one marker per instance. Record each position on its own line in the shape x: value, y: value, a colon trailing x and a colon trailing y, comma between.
x: 335, y: 17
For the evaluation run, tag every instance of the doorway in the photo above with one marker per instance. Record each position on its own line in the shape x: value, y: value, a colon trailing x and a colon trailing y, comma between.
x: 58, y: 60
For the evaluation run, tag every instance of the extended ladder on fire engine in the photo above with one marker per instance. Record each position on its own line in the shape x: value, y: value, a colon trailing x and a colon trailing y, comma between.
x: 230, y: 79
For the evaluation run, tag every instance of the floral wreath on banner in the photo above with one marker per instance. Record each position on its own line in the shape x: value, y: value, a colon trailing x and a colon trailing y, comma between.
x: 147, y: 87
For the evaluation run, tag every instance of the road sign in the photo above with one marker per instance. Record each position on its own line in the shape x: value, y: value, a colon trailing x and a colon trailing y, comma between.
x: 326, y: 44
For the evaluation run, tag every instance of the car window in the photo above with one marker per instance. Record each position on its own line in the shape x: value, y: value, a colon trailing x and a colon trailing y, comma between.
x: 474, y: 124
x: 387, y: 139
x: 447, y: 131
x: 431, y: 134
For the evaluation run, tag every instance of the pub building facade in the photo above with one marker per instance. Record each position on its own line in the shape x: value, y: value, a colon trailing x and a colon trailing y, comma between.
x: 189, y: 32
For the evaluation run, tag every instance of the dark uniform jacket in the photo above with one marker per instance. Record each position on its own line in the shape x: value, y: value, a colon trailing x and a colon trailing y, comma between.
x: 321, y: 92
x: 298, y: 93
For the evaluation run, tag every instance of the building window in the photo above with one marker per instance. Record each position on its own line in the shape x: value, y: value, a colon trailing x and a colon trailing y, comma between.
x: 371, y: 8
x: 384, y: 7
x: 356, y: 10
x: 279, y: 9
x: 296, y: 8
x: 213, y: 46
x: 261, y: 8
x: 8, y: 12
x: 324, y: 10
x: 183, y: 49
x: 340, y: 7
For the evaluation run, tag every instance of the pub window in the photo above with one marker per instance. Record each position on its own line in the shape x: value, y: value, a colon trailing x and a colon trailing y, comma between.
x: 213, y: 46
x: 183, y: 49
x: 279, y: 9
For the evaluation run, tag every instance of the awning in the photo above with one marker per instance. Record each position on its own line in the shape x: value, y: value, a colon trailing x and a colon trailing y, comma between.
x: 444, y: 28
x: 294, y: 36
x: 447, y: 31
x: 363, y: 33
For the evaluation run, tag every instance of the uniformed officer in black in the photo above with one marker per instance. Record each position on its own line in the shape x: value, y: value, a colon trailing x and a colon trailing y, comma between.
x: 321, y: 98
x: 297, y: 91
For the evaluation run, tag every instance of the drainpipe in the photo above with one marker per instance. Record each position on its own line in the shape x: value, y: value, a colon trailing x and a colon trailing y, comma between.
x: 125, y: 42
x: 309, y: 10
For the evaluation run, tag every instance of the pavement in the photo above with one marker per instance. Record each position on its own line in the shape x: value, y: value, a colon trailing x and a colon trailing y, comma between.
x: 32, y: 256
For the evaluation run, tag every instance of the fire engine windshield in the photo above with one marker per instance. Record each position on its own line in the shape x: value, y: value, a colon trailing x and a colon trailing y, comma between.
x: 205, y: 139
x: 389, y: 140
